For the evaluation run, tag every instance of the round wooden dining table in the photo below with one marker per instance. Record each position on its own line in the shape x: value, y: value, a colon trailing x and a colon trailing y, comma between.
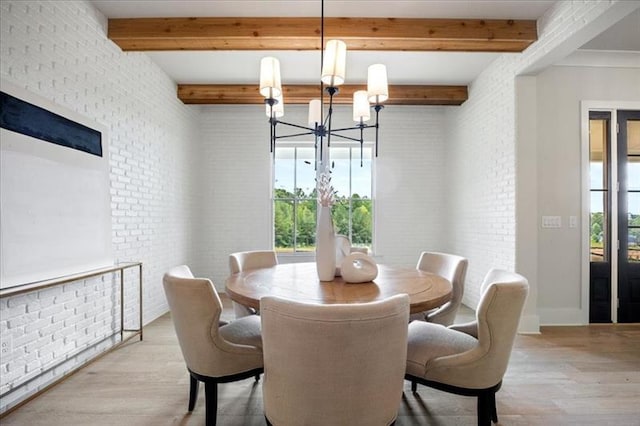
x: 299, y: 282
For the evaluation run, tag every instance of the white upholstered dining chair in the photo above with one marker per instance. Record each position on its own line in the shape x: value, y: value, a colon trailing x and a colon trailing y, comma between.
x: 244, y: 260
x: 214, y: 352
x: 335, y: 364
x: 471, y: 359
x: 454, y: 269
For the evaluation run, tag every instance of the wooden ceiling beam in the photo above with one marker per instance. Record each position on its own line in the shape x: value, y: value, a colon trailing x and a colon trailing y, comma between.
x: 222, y: 94
x: 386, y: 34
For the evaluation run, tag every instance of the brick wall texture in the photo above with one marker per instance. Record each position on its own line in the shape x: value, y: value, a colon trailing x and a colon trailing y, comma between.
x: 59, y: 51
x: 190, y: 185
x: 481, y: 145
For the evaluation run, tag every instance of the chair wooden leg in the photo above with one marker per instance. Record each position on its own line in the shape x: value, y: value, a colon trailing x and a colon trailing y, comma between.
x: 414, y: 386
x: 492, y: 404
x: 211, y: 400
x: 194, y: 385
x: 484, y: 410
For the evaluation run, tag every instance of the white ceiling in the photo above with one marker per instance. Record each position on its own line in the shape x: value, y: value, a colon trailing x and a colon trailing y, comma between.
x: 242, y: 67
x: 623, y: 36
x: 501, y: 9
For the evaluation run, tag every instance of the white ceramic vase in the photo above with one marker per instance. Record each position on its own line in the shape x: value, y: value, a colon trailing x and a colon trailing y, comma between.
x: 343, y: 248
x: 325, y: 245
x: 358, y: 268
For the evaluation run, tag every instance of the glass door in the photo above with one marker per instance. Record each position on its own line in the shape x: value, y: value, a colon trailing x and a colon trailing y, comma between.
x: 600, y: 220
x: 629, y: 216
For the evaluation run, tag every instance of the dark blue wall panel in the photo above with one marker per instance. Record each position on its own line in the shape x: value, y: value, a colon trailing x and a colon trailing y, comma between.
x: 31, y: 120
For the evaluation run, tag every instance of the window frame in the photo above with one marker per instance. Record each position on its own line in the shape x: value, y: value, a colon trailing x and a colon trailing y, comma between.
x: 334, y: 144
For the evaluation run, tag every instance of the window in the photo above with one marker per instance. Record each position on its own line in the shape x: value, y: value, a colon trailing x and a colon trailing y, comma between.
x: 599, y: 186
x: 294, y: 195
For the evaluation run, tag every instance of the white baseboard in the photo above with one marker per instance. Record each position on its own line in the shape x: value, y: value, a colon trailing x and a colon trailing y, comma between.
x: 529, y: 324
x: 563, y: 316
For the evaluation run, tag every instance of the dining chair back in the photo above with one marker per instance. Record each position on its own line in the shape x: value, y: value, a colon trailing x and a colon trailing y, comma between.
x: 454, y: 269
x: 333, y: 364
x: 245, y: 260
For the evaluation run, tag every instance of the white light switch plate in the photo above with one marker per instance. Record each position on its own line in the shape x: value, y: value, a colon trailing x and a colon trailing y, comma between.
x: 573, y: 221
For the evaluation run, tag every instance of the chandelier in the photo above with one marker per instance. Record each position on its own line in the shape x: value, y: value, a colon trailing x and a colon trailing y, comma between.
x: 333, y: 60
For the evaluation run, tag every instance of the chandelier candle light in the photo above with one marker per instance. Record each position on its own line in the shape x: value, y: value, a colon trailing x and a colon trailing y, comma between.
x: 334, y: 61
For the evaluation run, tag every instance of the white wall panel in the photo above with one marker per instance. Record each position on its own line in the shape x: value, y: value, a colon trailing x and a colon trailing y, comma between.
x: 59, y: 50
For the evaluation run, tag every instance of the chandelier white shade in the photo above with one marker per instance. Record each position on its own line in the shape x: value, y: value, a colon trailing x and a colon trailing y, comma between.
x: 334, y: 63
x: 315, y: 112
x: 270, y: 84
x: 361, y: 109
x: 377, y: 87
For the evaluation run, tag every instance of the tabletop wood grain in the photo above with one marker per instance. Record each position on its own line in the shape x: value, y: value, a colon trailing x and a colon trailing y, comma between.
x: 299, y: 281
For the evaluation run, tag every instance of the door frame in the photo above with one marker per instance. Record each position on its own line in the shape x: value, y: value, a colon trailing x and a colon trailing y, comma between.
x: 612, y: 107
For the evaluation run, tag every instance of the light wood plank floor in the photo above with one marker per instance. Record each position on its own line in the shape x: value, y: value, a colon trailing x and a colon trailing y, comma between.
x: 565, y: 376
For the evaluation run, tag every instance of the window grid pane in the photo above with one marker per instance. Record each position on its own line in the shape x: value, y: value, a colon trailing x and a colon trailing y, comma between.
x: 597, y: 225
x: 294, y: 195
x: 305, y: 173
x: 598, y: 176
x: 306, y: 225
x: 283, y: 225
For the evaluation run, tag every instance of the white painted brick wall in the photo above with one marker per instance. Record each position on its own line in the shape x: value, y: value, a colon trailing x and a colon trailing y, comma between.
x: 410, y: 184
x: 59, y: 50
x: 235, y: 186
x: 482, y: 178
x: 481, y: 150
x: 236, y: 214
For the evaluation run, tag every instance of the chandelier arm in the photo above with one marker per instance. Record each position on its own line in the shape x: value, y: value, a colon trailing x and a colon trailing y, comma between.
x: 378, y: 107
x: 330, y: 113
x: 363, y: 126
x: 309, y: 129
x: 315, y: 148
x: 294, y: 135
x: 346, y: 137
x: 273, y: 143
x: 271, y: 102
x: 271, y: 137
x: 322, y: 119
x: 326, y: 119
x: 361, y: 140
x: 319, y: 137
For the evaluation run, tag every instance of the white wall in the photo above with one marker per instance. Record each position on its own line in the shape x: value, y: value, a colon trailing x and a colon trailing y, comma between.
x: 481, y: 150
x: 236, y: 179
x: 559, y: 93
x: 59, y: 50
x: 482, y: 178
x: 410, y: 194
x: 411, y: 191
x: 526, y: 201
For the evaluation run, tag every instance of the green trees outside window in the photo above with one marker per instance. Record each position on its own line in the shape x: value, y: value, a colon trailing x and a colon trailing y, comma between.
x: 295, y: 203
x: 597, y: 237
